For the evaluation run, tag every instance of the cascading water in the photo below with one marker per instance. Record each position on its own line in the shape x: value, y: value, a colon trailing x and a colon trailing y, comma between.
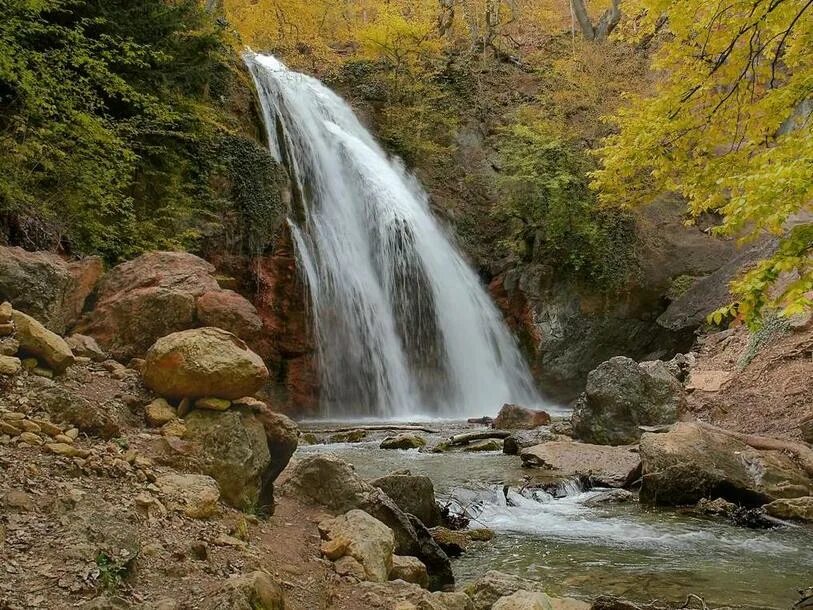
x: 402, y: 325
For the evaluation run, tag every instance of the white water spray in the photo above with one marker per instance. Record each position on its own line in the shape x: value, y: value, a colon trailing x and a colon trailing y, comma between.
x: 402, y: 325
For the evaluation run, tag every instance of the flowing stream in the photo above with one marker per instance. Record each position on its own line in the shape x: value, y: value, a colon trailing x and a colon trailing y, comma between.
x: 403, y: 326
x: 582, y: 550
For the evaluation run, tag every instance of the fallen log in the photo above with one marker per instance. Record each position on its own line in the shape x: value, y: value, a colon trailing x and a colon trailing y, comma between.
x: 373, y: 428
x: 477, y: 435
x: 800, y: 451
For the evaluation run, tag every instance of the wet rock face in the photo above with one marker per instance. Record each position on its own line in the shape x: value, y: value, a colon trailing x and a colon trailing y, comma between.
x: 201, y: 363
x: 47, y: 287
x: 622, y: 395
x: 159, y: 293
x: 689, y: 463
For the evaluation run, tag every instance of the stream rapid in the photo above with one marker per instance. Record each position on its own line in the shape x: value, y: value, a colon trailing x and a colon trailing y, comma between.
x: 579, y: 550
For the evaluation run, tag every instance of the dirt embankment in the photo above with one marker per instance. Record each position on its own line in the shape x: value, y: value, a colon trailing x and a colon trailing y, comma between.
x: 758, y: 383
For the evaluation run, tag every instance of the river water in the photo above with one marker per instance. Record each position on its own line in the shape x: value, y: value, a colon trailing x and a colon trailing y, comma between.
x: 582, y: 551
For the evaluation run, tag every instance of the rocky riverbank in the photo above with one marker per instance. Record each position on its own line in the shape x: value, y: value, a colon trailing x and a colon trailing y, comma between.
x: 146, y: 463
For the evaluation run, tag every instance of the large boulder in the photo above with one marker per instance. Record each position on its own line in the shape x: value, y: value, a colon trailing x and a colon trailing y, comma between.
x: 47, y: 287
x: 622, y: 395
x: 513, y: 417
x: 413, y: 494
x: 158, y: 293
x: 362, y: 537
x: 402, y: 595
x: 282, y: 436
x: 254, y: 591
x: 536, y: 600
x: 203, y: 362
x: 230, y: 447
x: 36, y: 340
x: 329, y: 482
x: 409, y: 569
x: 692, y: 462
x: 230, y: 311
x: 599, y: 465
x: 800, y: 509
x: 493, y: 585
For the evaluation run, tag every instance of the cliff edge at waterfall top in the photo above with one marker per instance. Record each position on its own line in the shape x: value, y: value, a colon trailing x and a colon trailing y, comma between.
x: 398, y: 305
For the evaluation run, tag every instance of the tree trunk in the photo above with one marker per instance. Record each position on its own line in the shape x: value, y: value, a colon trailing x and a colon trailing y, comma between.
x: 606, y: 24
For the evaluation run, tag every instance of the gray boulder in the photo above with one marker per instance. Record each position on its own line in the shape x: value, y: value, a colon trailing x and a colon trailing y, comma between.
x: 622, y: 395
x: 231, y: 447
x: 691, y: 462
x: 413, y: 494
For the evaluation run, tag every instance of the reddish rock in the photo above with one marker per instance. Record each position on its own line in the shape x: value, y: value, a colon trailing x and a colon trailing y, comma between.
x: 282, y: 301
x: 513, y: 417
x: 160, y: 293
x: 302, y: 387
x: 230, y: 311
x: 47, y: 287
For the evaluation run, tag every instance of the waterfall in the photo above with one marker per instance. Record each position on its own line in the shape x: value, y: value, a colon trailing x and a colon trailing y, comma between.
x: 402, y: 326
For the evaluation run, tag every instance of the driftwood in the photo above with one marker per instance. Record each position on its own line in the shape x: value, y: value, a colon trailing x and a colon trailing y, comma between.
x: 406, y: 428
x: 467, y: 437
x: 800, y: 451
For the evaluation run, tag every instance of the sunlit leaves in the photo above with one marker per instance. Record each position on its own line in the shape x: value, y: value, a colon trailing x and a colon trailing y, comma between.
x: 730, y: 128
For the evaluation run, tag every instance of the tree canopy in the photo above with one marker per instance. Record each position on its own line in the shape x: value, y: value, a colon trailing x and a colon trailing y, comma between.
x: 729, y: 127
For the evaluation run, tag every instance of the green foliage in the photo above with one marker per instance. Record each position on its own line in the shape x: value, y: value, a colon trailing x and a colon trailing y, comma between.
x: 557, y: 218
x: 414, y: 112
x: 104, y: 116
x: 728, y: 126
x: 112, y: 571
x: 255, y: 186
x: 772, y: 328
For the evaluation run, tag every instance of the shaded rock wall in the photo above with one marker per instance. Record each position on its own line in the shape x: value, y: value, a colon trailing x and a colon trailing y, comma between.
x: 567, y: 329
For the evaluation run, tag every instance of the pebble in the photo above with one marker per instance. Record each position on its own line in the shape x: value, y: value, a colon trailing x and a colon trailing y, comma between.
x: 49, y: 428
x: 213, y: 404
x: 61, y: 438
x: 29, y: 426
x: 30, y: 438
x: 72, y: 433
x: 42, y: 372
x: 12, y: 416
x: 66, y: 450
